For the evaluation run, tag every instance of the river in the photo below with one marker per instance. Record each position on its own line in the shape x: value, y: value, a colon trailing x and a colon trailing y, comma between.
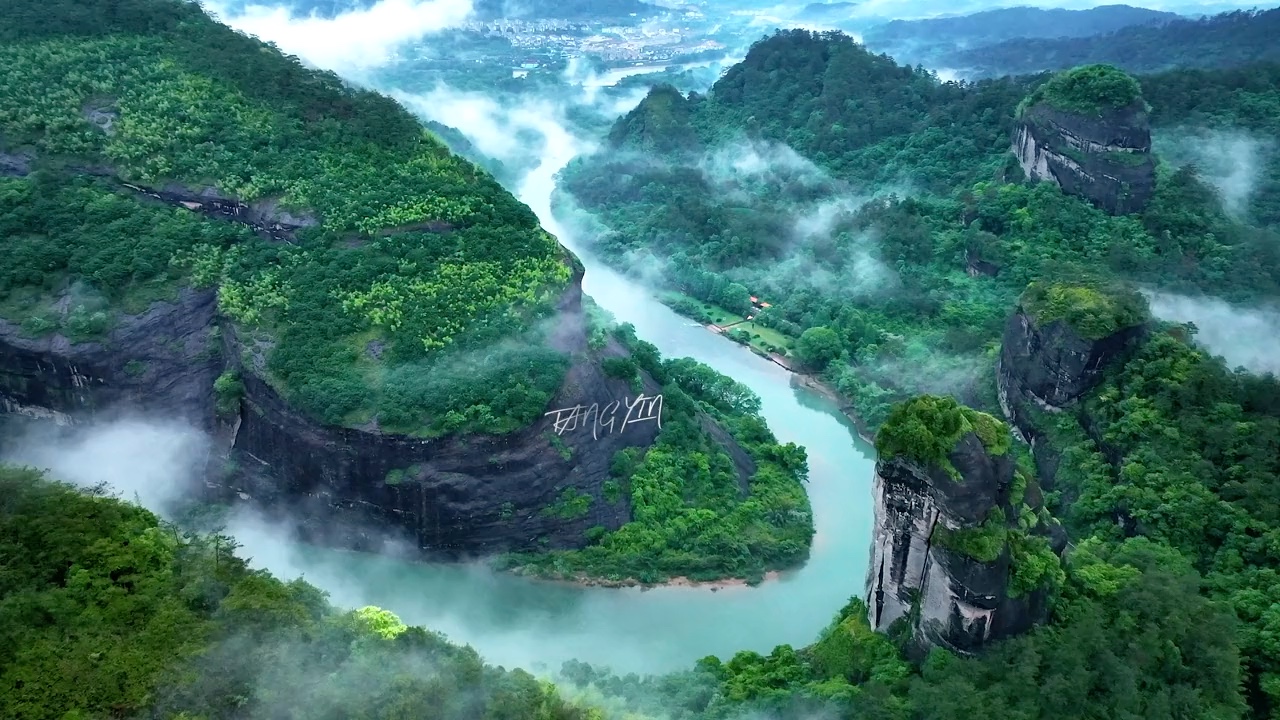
x: 538, y: 625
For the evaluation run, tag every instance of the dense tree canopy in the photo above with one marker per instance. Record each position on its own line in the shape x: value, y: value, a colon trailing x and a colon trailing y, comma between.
x: 414, y: 252
x: 1164, y: 475
x: 107, y: 612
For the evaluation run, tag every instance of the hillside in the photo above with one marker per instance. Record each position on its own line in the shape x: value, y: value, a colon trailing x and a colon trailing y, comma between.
x: 742, y: 215
x: 200, y: 228
x: 107, y: 612
x: 1222, y: 41
x: 933, y: 41
x: 877, y: 229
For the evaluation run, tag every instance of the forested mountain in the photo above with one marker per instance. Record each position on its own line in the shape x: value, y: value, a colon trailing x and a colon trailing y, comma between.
x: 107, y: 612
x: 932, y: 42
x: 198, y: 226
x: 882, y: 218
x: 1221, y: 41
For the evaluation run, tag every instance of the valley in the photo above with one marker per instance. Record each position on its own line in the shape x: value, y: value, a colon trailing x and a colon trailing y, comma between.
x: 408, y: 493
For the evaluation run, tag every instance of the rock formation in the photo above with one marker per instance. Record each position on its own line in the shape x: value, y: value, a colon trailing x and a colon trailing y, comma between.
x: 1102, y: 154
x: 959, y: 546
x: 453, y: 495
x: 1056, y: 346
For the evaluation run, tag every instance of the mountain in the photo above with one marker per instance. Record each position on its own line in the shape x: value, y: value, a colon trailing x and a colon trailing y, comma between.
x: 1221, y: 41
x: 376, y: 332
x: 930, y: 42
x: 893, y: 237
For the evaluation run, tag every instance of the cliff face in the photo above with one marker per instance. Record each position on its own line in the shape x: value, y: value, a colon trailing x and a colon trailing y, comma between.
x: 1050, y: 367
x: 949, y: 598
x: 452, y: 496
x: 455, y: 495
x: 163, y: 361
x: 1106, y: 160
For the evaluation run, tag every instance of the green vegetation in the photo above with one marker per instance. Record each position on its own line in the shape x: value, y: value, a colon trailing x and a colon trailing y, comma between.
x: 916, y: 289
x: 984, y: 543
x: 689, y: 514
x: 1231, y: 40
x: 228, y: 389
x: 1092, y: 312
x: 107, y: 612
x: 570, y: 505
x: 413, y: 251
x: 1165, y: 476
x: 1089, y: 89
x: 926, y: 429
x: 561, y: 447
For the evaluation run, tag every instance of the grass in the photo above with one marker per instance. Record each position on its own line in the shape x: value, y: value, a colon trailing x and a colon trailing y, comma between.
x: 764, y: 337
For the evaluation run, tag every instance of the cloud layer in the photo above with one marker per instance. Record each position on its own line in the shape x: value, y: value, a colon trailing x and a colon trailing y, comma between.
x: 348, y: 43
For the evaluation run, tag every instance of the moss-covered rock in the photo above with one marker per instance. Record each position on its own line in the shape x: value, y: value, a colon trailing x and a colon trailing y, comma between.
x: 1093, y: 312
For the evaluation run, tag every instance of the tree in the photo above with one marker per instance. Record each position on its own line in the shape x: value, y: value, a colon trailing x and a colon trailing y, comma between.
x: 818, y: 346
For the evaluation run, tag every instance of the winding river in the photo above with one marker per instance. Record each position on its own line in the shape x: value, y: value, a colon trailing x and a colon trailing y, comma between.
x: 538, y: 625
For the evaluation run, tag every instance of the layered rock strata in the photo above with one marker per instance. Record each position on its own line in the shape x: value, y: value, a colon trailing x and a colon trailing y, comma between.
x: 1105, y: 159
x: 1047, y: 368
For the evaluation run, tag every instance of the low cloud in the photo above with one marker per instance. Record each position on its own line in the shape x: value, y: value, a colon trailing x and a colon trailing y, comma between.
x: 1244, y: 337
x: 1228, y: 160
x: 350, y: 42
x: 156, y: 464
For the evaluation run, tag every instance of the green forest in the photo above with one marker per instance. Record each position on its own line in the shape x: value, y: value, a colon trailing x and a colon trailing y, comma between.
x: 1165, y: 474
x: 105, y: 611
x: 925, y: 276
x: 411, y: 249
x: 916, y: 240
x: 420, y: 300
x: 1233, y: 39
x: 692, y: 516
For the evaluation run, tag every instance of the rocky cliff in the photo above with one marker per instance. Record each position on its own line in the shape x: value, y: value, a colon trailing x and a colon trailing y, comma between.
x: 1055, y: 348
x: 959, y: 541
x: 1106, y: 160
x: 1087, y: 131
x: 537, y: 488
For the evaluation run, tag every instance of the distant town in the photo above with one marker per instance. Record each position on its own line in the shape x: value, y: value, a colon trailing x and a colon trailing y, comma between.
x: 673, y: 36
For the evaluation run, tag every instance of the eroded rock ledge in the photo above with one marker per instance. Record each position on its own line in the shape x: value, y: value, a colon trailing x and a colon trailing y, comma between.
x: 1046, y: 364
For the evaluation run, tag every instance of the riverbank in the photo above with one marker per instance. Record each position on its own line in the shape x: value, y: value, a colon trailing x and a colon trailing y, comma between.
x: 798, y: 377
x: 583, y: 580
x: 816, y: 384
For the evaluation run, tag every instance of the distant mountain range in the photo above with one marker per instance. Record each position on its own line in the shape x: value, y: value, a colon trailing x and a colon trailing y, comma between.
x: 1220, y: 41
x: 930, y: 42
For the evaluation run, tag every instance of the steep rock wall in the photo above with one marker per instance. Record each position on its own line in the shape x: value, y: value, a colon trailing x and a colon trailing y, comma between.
x: 473, y: 494
x: 949, y: 599
x: 1106, y: 160
x: 162, y: 362
x: 1049, y: 368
